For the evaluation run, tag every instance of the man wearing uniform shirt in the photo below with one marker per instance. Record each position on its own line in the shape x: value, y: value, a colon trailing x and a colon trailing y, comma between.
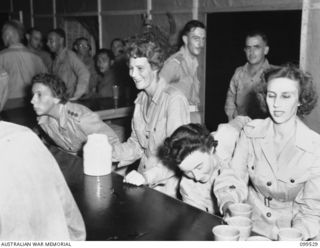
x: 180, y: 69
x: 67, y: 65
x: 241, y: 98
x: 67, y: 124
x: 19, y: 62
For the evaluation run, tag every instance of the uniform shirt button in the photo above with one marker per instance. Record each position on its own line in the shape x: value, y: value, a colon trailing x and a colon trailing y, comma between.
x: 147, y: 136
x: 292, y: 180
x: 252, y: 167
x: 269, y: 183
x: 76, y: 115
x: 268, y: 214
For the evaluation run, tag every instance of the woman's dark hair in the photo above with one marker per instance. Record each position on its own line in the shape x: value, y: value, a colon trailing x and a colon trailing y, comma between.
x: 183, y: 141
x: 54, y: 83
x: 307, y: 93
x: 139, y: 48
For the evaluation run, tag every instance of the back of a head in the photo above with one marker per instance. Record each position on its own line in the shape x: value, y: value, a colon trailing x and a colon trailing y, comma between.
x: 16, y: 29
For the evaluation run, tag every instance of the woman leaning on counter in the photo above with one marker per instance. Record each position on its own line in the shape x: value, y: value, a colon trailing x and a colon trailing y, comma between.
x: 281, y: 157
x: 159, y: 110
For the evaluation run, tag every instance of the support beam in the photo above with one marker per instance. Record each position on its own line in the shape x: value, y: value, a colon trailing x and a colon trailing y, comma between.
x: 31, y: 14
x: 100, y: 23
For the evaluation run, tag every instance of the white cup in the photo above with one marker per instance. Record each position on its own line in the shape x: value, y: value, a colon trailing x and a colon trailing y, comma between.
x: 243, y: 224
x: 240, y: 209
x: 258, y: 238
x: 225, y: 233
x: 289, y: 234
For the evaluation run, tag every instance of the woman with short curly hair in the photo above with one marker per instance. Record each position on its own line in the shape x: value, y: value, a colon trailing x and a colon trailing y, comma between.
x: 280, y: 157
x: 191, y: 150
x: 159, y: 110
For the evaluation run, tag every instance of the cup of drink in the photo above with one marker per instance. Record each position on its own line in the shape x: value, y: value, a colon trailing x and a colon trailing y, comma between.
x: 225, y: 233
x: 240, y: 209
x: 243, y: 224
x: 289, y: 234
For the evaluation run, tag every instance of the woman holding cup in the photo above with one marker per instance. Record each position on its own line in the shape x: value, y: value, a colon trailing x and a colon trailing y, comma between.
x: 159, y: 110
x: 281, y: 157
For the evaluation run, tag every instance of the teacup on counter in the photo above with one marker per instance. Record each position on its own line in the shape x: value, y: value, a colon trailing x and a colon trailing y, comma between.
x: 243, y: 224
x: 240, y: 209
x: 289, y: 234
x: 225, y: 233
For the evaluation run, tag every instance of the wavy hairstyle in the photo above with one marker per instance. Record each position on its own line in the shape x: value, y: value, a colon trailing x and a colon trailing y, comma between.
x: 54, y: 83
x: 307, y: 94
x: 183, y: 141
x: 143, y: 48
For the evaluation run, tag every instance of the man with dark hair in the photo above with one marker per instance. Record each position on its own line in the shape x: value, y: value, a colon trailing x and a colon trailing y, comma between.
x: 34, y: 38
x: 20, y: 64
x: 181, y: 68
x: 67, y: 124
x: 67, y: 65
x: 241, y: 98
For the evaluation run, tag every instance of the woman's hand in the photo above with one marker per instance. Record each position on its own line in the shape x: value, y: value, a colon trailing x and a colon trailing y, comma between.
x: 134, y: 178
x: 225, y: 209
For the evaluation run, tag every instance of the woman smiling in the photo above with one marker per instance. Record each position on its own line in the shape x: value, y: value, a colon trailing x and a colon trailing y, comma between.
x: 159, y: 110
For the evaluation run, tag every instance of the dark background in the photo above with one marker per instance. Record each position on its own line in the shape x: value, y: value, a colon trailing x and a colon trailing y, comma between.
x: 225, y: 42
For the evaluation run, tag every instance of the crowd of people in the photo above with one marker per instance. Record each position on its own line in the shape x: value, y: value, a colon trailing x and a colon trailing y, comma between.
x: 264, y: 156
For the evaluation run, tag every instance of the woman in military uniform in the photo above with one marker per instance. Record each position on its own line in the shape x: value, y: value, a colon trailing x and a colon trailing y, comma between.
x: 67, y: 124
x: 159, y: 110
x: 281, y: 157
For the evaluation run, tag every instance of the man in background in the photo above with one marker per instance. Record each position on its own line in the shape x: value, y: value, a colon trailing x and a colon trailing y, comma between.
x: 241, y: 98
x: 19, y: 62
x: 67, y: 65
x: 34, y: 38
x: 181, y: 68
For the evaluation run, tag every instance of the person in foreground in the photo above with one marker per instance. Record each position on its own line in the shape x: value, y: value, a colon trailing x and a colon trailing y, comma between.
x: 67, y: 124
x: 35, y: 201
x: 191, y: 149
x: 159, y: 110
x: 281, y: 157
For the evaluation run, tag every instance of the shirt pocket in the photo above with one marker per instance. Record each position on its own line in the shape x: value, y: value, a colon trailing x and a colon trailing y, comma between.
x: 291, y: 185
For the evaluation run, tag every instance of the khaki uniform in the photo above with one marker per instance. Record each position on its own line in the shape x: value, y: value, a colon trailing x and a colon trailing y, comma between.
x: 241, y: 98
x: 35, y: 201
x: 73, y: 72
x: 283, y: 192
x: 168, y: 110
x: 75, y: 124
x: 21, y: 65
